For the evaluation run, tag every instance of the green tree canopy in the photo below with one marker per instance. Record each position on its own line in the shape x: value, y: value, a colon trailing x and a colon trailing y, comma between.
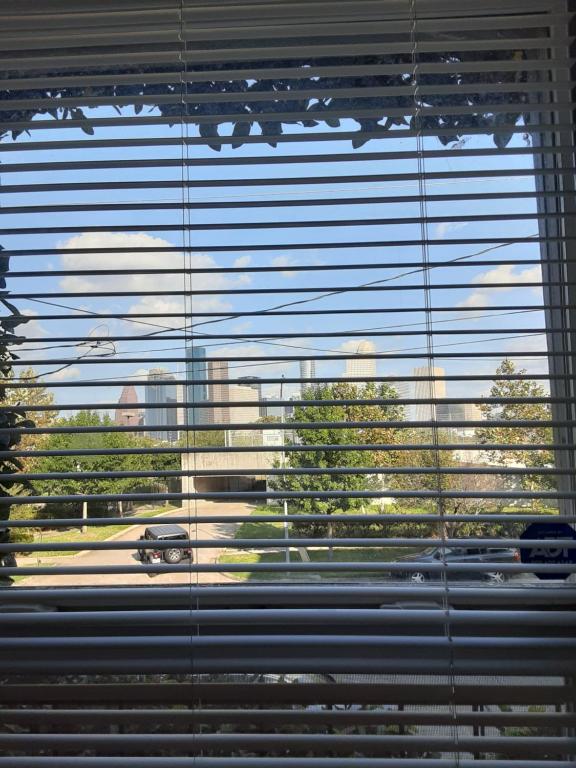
x: 24, y: 398
x: 518, y: 389
x: 317, y: 437
x: 100, y: 462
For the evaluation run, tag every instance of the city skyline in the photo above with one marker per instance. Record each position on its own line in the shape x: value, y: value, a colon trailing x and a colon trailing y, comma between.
x: 248, y: 389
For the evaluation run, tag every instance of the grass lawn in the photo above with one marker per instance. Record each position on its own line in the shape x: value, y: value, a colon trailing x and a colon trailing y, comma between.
x: 262, y: 530
x: 94, y: 533
x: 341, y: 555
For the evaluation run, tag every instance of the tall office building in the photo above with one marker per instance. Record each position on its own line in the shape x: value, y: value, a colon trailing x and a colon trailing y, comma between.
x: 180, y: 399
x: 461, y: 412
x: 161, y: 391
x: 218, y: 392
x: 307, y: 371
x: 431, y: 390
x: 252, y: 381
x: 269, y: 408
x: 360, y: 367
x: 244, y: 413
x: 125, y: 415
x: 197, y: 387
x: 405, y: 391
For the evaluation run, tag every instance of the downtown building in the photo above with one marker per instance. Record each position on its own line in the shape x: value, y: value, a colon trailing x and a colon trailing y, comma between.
x: 161, y: 391
x: 127, y: 413
x: 363, y: 369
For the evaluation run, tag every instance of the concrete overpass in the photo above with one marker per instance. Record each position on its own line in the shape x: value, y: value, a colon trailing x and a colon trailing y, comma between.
x: 233, y: 471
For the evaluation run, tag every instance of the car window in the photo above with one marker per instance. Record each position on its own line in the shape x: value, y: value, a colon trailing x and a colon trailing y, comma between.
x: 455, y: 552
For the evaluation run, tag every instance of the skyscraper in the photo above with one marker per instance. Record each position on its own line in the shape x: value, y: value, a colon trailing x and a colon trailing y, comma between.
x: 405, y: 391
x: 244, y: 413
x: 430, y: 390
x: 459, y: 412
x: 252, y: 381
x: 161, y: 392
x: 218, y: 393
x: 126, y: 416
x: 269, y: 408
x: 197, y: 388
x: 307, y: 371
x: 362, y: 367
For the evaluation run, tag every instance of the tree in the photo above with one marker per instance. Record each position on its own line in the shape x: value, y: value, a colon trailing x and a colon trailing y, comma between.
x: 203, y: 438
x: 518, y: 388
x: 328, y: 460
x: 101, y: 462
x: 26, y: 397
x: 313, y: 99
x: 376, y: 411
x: 322, y: 458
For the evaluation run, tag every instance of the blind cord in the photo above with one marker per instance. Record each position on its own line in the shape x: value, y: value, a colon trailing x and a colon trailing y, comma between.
x: 188, y: 344
x: 432, y: 383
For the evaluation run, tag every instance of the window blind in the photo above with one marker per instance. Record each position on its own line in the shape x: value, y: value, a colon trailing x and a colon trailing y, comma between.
x: 287, y: 414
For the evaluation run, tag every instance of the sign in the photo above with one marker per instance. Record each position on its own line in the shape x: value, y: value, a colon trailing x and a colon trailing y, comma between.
x: 555, y: 554
x: 272, y: 437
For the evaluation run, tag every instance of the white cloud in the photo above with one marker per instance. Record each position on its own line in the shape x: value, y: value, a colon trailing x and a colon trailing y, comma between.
x: 136, y: 260
x: 446, y: 227
x: 242, y: 261
x: 65, y: 373
x: 32, y: 329
x: 242, y: 327
x: 284, y: 261
x: 502, y: 273
x: 530, y: 344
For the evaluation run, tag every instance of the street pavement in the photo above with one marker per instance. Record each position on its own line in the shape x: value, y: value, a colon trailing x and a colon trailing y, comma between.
x: 218, y: 531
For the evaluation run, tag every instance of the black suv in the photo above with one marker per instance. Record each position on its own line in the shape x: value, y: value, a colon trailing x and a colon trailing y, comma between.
x: 171, y: 555
x: 491, y: 555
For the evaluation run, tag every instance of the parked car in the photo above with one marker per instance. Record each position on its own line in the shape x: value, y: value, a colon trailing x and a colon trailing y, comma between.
x: 170, y: 555
x: 492, y: 555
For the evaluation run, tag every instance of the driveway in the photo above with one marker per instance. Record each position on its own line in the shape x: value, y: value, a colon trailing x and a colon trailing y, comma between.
x: 218, y: 531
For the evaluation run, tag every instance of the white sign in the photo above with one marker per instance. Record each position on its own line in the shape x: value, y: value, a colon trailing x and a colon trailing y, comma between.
x: 272, y: 437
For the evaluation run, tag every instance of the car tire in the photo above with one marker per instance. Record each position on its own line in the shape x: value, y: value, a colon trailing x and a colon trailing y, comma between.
x: 496, y: 577
x: 418, y: 577
x: 173, y: 556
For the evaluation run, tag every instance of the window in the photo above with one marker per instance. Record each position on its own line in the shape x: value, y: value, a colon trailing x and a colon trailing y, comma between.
x: 296, y: 279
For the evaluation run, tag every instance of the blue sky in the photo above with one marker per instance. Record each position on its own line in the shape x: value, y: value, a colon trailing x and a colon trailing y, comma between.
x: 474, y: 295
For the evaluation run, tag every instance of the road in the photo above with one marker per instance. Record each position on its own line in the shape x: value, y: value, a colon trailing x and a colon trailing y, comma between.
x: 120, y: 557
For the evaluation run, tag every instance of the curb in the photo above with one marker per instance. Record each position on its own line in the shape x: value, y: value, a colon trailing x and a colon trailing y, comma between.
x: 110, y: 538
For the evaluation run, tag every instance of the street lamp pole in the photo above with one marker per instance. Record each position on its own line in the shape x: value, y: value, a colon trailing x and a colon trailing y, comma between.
x: 283, y: 462
x: 83, y: 527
